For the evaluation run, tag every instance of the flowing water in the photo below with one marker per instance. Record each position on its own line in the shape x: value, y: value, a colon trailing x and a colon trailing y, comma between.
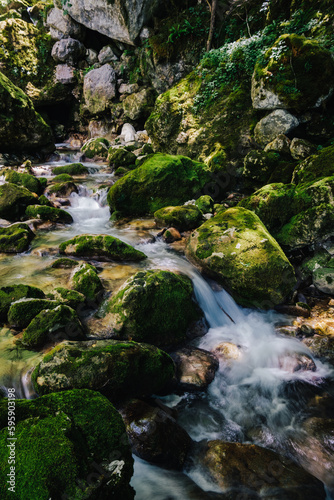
x: 255, y: 398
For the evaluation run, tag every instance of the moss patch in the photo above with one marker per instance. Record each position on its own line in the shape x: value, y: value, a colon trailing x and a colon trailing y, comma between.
x: 22, y: 312
x: 9, y: 294
x: 15, y: 238
x: 14, y: 201
x: 86, y: 281
x: 26, y: 180
x: 71, y: 169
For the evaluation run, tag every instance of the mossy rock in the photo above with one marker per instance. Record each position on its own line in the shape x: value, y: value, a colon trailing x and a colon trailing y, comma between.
x: 116, y: 369
x: 96, y: 147
x: 205, y: 203
x: 23, y: 311
x: 21, y: 127
x: 182, y: 218
x: 44, y: 201
x: 14, y: 201
x: 52, y: 325
x: 64, y: 263
x: 86, y: 281
x: 120, y: 157
x: 26, y: 180
x: 12, y: 293
x: 296, y: 73
x: 308, y: 227
x: 101, y: 246
x: 71, y: 298
x: 120, y: 171
x: 315, y: 167
x: 62, y: 178
x: 319, y: 260
x: 71, y: 169
x: 261, y: 166
x: 62, y: 440
x: 49, y: 214
x: 15, y: 238
x: 162, y: 180
x: 154, y: 306
x: 235, y: 248
x: 63, y: 189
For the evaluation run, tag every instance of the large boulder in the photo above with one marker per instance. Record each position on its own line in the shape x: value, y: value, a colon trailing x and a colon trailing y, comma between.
x: 296, y: 73
x: 102, y: 247
x: 14, y: 201
x: 65, y: 448
x: 15, y: 238
x: 119, y: 20
x: 99, y: 89
x: 21, y: 128
x: 235, y: 248
x: 117, y: 369
x: 97, y: 146
x: 153, y: 306
x: 162, y: 180
x: 23, y: 311
x: 256, y: 469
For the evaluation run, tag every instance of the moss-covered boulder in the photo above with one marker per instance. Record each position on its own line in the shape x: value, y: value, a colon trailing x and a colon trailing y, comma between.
x: 63, y: 189
x: 297, y: 72
x: 261, y: 166
x: 71, y: 169
x: 162, y: 180
x: 48, y: 214
x: 205, y: 203
x: 26, y: 180
x: 86, y: 281
x: 153, y: 306
x: 235, y: 248
x: 97, y: 147
x: 52, y: 325
x: 120, y: 157
x: 9, y: 294
x: 65, y: 448
x: 43, y: 200
x: 315, y: 167
x: 21, y: 127
x: 71, y: 298
x: 182, y: 218
x: 15, y: 238
x: 14, y: 201
x: 23, y: 311
x: 117, y: 369
x: 62, y: 178
x: 242, y: 466
x: 103, y: 247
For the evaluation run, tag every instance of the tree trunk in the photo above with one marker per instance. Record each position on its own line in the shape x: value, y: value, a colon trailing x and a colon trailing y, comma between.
x: 212, y: 24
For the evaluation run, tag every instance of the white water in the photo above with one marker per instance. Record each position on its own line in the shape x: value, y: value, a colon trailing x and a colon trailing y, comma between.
x: 247, y: 400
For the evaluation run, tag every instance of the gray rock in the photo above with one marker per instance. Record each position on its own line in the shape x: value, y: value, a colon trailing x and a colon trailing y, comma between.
x: 263, y: 98
x: 128, y: 88
x: 99, y: 88
x: 68, y: 50
x: 128, y: 132
x: 97, y: 128
x: 106, y: 55
x: 323, y: 280
x: 91, y: 56
x: 65, y: 74
x: 120, y: 20
x: 63, y: 26
x: 139, y: 105
x: 301, y: 149
x: 278, y: 122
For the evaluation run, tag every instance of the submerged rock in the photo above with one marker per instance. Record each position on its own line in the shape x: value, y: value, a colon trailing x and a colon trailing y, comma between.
x: 236, y: 465
x: 14, y: 201
x: 65, y: 440
x: 102, y: 246
x: 153, y: 306
x: 155, y: 435
x: 162, y: 180
x: 15, y: 238
x: 235, y: 248
x: 182, y: 218
x: 117, y: 369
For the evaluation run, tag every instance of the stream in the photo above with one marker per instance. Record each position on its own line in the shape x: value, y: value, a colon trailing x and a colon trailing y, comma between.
x: 256, y: 398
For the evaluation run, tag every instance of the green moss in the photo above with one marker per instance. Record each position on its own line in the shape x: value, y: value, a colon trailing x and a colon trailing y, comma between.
x: 9, y: 294
x: 154, y: 306
x: 71, y: 169
x: 162, y: 180
x: 64, y: 263
x: 315, y: 167
x: 14, y: 201
x: 62, y: 436
x: 15, y: 238
x: 62, y: 178
x: 182, y: 218
x: 205, y: 204
x: 22, y: 312
x: 48, y: 214
x: 26, y: 180
x: 52, y: 325
x: 86, y: 281
x: 43, y: 200
x: 120, y: 157
x: 96, y: 147
x: 120, y: 171
x: 71, y: 298
x: 105, y: 246
x: 236, y: 249
x: 260, y: 166
x: 117, y: 369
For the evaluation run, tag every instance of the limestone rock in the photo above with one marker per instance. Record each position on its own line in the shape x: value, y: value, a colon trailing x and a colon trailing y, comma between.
x: 182, y: 218
x: 62, y: 25
x: 278, y: 122
x: 128, y: 133
x: 323, y: 280
x: 128, y: 88
x: 107, y: 55
x: 68, y: 50
x: 65, y: 74
x: 99, y: 88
